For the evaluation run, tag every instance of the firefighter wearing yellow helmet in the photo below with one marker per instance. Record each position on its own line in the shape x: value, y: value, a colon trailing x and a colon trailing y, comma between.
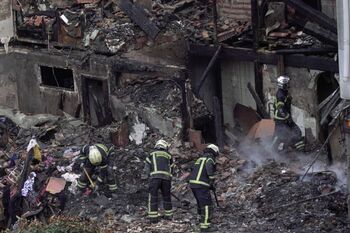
x: 201, y: 182
x: 158, y: 167
x: 97, y: 157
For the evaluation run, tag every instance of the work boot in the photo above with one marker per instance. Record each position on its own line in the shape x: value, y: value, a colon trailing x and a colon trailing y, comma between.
x: 210, y: 229
x: 154, y: 220
x: 168, y: 217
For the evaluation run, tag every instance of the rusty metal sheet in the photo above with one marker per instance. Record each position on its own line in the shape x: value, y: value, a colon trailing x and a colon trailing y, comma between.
x: 245, y: 116
x: 262, y: 129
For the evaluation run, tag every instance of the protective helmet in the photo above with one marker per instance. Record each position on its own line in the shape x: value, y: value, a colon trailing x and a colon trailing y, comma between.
x: 161, y: 144
x: 95, y: 156
x: 283, y: 82
x: 215, y: 148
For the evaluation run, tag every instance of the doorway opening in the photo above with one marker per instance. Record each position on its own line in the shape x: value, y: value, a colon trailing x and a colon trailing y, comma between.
x: 96, y: 101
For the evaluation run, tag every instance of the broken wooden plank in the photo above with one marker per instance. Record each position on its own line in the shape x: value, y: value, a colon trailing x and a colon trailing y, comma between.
x: 307, y: 51
x: 242, y: 54
x: 255, y: 22
x: 207, y: 70
x: 258, y: 102
x: 320, y: 33
x: 182, y: 5
x: 313, y: 15
x: 139, y: 16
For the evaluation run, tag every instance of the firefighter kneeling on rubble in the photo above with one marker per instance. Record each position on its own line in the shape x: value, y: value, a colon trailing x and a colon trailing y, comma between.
x: 286, y: 129
x: 158, y: 167
x: 201, y: 182
x: 96, y: 157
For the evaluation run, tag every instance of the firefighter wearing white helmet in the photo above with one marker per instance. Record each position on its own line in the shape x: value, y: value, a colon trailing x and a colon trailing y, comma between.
x: 286, y: 130
x: 95, y: 157
x: 158, y: 167
x: 201, y: 182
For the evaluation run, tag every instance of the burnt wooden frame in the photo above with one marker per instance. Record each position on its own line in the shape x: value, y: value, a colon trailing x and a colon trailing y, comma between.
x: 242, y: 54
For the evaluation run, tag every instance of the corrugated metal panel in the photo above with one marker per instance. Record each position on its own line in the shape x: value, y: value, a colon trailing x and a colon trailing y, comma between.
x: 235, y: 9
x: 235, y: 77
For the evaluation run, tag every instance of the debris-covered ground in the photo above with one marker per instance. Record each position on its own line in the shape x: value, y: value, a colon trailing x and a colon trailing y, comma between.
x: 253, y: 197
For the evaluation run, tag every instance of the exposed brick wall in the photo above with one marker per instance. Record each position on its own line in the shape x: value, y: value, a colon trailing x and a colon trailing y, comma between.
x: 235, y: 9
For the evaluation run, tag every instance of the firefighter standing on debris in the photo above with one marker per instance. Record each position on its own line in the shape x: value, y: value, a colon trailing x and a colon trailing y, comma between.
x: 95, y: 157
x: 158, y: 167
x: 286, y: 129
x: 201, y: 182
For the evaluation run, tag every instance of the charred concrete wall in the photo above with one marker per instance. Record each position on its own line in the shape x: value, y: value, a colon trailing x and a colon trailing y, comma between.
x: 22, y: 85
x: 8, y: 85
x: 33, y: 96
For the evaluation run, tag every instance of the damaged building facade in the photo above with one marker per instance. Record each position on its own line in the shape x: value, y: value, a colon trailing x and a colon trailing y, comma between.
x: 77, y: 56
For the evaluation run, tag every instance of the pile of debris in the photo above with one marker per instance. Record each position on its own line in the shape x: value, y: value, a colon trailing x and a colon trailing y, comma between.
x: 120, y: 26
x: 250, y: 199
x: 294, y: 24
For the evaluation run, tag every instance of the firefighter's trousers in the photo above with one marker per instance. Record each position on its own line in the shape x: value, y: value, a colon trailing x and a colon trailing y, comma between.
x: 164, y: 186
x: 204, y: 206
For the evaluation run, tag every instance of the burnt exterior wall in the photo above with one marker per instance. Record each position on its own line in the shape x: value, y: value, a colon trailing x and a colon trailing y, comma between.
x: 8, y: 84
x: 33, y: 97
x: 21, y: 85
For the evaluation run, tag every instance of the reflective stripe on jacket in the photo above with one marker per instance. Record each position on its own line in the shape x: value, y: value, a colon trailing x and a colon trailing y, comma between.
x: 160, y: 163
x: 282, y: 105
x: 203, y: 172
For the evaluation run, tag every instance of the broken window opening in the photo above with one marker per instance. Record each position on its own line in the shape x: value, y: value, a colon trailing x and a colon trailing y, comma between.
x: 57, y: 77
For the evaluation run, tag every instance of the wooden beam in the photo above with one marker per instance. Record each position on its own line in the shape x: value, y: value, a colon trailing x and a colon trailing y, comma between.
x: 307, y: 51
x: 241, y: 54
x: 258, y: 102
x: 138, y: 15
x: 313, y: 15
x: 320, y: 33
x: 255, y: 23
x: 218, y: 122
x: 208, y: 69
x: 280, y: 65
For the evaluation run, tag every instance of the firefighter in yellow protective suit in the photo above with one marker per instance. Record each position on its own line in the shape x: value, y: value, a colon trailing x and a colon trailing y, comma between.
x: 201, y: 182
x: 287, y: 131
x: 96, y: 157
x: 158, y: 167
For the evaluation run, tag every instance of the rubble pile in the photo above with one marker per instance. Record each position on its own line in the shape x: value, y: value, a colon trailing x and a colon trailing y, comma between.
x: 163, y: 95
x: 275, y: 200
x: 109, y: 29
x: 263, y: 199
x: 195, y: 19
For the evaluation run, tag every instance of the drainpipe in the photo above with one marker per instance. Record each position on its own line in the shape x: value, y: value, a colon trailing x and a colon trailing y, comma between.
x: 343, y: 19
